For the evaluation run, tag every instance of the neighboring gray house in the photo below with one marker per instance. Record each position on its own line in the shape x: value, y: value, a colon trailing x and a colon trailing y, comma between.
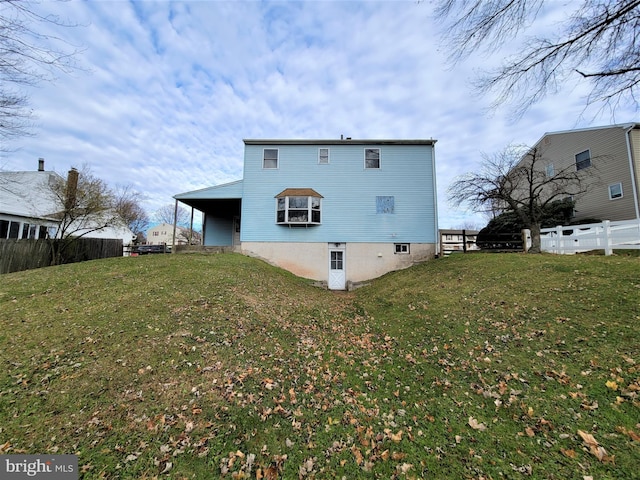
x: 336, y: 211
x: 28, y: 209
x: 613, y: 152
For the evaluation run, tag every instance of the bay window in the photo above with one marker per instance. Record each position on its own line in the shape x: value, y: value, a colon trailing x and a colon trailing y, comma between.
x: 298, y: 206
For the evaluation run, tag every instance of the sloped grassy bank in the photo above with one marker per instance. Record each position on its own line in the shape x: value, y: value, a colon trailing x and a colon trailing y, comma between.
x: 193, y: 366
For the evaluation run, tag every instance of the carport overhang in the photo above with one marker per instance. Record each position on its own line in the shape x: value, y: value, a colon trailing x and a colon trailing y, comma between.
x: 221, y: 201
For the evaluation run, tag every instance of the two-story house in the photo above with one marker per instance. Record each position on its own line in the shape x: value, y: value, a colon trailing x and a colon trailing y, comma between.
x: 162, y: 234
x: 611, y: 157
x: 336, y: 211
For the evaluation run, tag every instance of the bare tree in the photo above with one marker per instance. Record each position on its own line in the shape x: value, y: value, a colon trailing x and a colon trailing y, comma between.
x: 597, y: 42
x: 167, y: 214
x: 89, y: 205
x: 516, y: 180
x: 127, y: 206
x: 27, y: 57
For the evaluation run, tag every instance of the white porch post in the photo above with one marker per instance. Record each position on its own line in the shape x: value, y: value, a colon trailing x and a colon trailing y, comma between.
x: 175, y: 223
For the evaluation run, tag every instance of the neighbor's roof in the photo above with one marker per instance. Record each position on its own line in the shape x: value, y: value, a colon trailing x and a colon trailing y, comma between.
x: 624, y: 126
x: 29, y: 194
x: 346, y: 141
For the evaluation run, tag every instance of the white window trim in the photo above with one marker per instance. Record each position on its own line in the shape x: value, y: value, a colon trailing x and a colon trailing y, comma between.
x: 309, y: 211
x: 328, y: 156
x: 611, y: 197
x: 379, y: 158
x: 575, y: 159
x: 277, y: 159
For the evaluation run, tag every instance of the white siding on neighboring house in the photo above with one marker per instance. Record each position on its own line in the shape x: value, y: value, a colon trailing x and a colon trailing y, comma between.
x: 163, y: 235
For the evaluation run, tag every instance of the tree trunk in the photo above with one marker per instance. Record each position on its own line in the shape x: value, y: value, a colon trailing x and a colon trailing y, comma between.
x: 535, y: 238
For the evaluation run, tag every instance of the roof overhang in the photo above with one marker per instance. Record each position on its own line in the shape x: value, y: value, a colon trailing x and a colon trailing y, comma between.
x: 347, y: 141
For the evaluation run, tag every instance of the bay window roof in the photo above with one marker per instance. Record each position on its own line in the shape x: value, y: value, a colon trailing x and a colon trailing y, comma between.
x: 299, y: 192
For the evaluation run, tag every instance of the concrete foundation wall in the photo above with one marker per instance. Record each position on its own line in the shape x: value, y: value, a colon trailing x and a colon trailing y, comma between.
x: 363, y: 261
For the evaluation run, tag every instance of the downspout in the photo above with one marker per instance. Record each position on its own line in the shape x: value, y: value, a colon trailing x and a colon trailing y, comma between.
x: 435, y: 198
x: 632, y: 171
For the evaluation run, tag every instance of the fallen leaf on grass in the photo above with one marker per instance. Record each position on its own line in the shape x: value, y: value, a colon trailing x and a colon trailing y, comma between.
x: 568, y: 453
x: 587, y: 406
x: 612, y: 385
x: 594, y: 447
x: 5, y: 448
x: 357, y: 455
x: 630, y: 433
x: 473, y: 423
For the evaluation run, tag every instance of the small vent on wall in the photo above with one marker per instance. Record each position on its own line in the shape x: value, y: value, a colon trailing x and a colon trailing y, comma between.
x: 547, y: 141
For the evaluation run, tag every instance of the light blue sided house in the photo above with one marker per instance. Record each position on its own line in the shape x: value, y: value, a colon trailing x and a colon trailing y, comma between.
x: 338, y: 211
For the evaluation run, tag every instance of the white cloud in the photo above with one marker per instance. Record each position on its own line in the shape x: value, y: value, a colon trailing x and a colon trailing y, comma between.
x: 168, y: 90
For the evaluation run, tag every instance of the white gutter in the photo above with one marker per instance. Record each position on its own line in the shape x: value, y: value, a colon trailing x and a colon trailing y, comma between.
x: 632, y: 171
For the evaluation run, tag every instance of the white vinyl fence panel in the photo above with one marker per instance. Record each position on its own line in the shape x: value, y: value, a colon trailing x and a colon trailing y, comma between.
x: 605, y: 236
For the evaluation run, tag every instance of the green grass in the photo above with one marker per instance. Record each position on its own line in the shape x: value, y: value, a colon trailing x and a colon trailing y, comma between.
x: 220, y: 366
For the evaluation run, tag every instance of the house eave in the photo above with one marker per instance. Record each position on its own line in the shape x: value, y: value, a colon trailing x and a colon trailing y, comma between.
x: 348, y: 141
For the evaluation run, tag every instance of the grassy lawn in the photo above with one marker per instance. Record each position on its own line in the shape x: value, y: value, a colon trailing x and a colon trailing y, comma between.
x: 220, y: 366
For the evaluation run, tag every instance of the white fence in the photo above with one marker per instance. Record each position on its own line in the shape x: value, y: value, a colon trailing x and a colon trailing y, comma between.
x: 605, y: 236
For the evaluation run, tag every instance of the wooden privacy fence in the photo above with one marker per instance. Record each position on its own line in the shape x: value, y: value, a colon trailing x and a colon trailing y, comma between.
x: 20, y: 254
x: 607, y: 236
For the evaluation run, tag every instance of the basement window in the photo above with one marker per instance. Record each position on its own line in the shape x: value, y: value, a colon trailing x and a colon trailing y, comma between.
x: 298, y: 206
x: 401, y: 248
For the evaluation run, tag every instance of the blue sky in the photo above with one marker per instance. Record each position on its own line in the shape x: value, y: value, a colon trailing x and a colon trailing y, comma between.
x: 167, y: 91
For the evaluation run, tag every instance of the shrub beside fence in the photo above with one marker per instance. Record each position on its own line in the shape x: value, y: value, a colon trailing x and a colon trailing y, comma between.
x: 18, y: 255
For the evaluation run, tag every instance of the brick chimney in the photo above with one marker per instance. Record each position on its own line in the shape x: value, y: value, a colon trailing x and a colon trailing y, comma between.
x: 72, y: 189
x: 41, y: 164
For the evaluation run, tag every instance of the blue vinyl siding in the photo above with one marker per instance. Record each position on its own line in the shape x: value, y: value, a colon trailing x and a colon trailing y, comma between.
x: 349, y: 206
x: 218, y: 231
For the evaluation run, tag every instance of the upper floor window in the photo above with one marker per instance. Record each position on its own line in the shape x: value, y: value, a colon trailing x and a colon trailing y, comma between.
x: 549, y: 170
x: 298, y: 206
x: 583, y: 160
x: 615, y: 191
x: 270, y: 158
x: 323, y: 156
x: 371, y: 158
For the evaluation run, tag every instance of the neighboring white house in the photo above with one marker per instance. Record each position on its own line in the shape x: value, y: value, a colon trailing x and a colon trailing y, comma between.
x: 163, y: 235
x: 337, y: 211
x: 457, y: 241
x: 29, y: 208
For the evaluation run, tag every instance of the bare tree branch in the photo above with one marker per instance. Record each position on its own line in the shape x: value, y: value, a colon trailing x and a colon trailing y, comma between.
x: 597, y: 43
x: 27, y: 57
x: 516, y: 180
